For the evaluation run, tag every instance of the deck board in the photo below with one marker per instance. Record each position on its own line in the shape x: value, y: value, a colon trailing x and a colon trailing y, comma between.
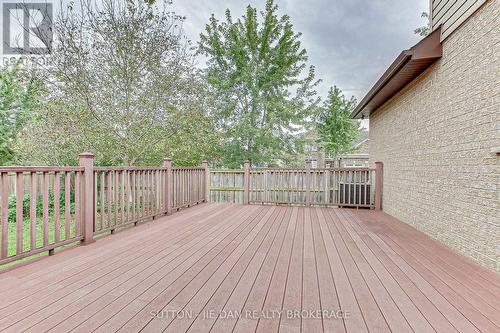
x: 235, y: 268
x: 457, y: 294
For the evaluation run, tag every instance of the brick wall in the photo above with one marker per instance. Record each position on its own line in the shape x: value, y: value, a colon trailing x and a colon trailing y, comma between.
x: 437, y: 139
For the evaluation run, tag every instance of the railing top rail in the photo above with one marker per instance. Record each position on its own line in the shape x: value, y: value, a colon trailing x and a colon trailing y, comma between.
x: 81, y: 169
x: 227, y: 171
x: 128, y: 168
x: 40, y: 169
x: 278, y: 169
x: 312, y: 169
x: 344, y: 169
x: 188, y: 168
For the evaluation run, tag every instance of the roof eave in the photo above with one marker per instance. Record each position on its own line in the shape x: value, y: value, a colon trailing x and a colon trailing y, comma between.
x: 404, y: 69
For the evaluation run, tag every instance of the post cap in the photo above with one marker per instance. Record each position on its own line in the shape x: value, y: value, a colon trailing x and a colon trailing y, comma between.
x: 167, y: 159
x: 204, y: 161
x: 247, y: 161
x: 86, y: 154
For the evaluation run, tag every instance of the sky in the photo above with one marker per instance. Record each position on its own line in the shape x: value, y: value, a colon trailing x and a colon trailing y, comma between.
x: 350, y: 42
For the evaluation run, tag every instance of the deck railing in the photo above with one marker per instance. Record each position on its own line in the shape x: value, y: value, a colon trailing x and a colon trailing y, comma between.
x: 43, y: 208
x: 340, y: 187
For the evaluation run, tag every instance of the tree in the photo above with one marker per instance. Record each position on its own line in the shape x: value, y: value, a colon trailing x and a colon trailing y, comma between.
x: 18, y: 99
x: 256, y: 67
x: 335, y: 128
x: 123, y: 85
x: 425, y: 29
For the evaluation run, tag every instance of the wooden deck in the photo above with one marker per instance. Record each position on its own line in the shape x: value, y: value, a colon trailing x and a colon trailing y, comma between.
x: 255, y: 269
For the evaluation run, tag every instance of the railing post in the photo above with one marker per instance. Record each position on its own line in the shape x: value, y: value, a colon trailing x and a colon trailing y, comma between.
x: 246, y: 183
x: 308, y: 183
x: 167, y: 163
x: 86, y: 160
x: 207, y: 180
x: 379, y: 168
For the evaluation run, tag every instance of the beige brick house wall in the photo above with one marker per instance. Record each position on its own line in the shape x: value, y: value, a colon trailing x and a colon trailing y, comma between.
x: 437, y: 139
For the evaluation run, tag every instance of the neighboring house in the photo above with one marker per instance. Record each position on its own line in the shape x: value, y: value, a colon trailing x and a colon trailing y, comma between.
x: 357, y: 159
x: 315, y: 152
x: 435, y: 125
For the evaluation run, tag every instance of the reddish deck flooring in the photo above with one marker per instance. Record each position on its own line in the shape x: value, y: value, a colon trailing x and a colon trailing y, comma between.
x: 239, y: 266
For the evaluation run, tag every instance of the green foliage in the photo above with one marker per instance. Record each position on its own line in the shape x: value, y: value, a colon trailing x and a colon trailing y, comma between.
x: 123, y: 86
x: 18, y: 99
x: 335, y: 128
x: 256, y: 68
x: 424, y: 30
x: 39, y: 205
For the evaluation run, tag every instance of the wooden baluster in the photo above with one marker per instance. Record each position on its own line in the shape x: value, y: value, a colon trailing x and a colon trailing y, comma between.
x: 199, y: 186
x: 45, y: 209
x: 57, y: 211
x: 67, y: 205
x: 33, y: 198
x: 343, y: 175
x: 109, y: 197
x: 137, y: 195
x: 308, y: 183
x: 191, y: 188
x: 19, y: 212
x: 326, y: 177
x: 186, y: 187
x: 368, y: 187
x: 125, y: 196
x: 279, y: 186
x: 178, y: 190
x: 156, y: 182
x: 161, y: 192
x: 183, y: 188
x: 196, y: 186
x: 146, y: 193
x: 5, y: 215
x: 180, y: 177
x: 122, y: 196
x: 155, y: 191
x: 134, y: 189
x: 96, y: 202
x: 349, y: 183
x: 78, y: 203
x: 354, y: 183
x: 361, y: 185
x: 150, y: 193
x: 143, y: 194
x: 336, y: 188
x: 102, y: 211
x: 246, y: 183
x: 115, y: 196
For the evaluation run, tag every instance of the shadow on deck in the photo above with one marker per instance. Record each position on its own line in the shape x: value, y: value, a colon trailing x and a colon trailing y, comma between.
x: 226, y: 268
